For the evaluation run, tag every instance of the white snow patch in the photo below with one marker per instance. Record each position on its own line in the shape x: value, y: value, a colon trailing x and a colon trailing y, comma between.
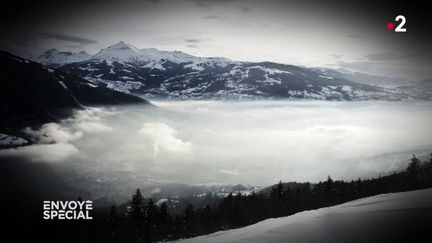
x: 320, y: 225
x: 63, y: 85
x: 9, y: 140
x: 326, y: 77
x: 160, y: 201
x: 347, y: 88
x: 92, y: 85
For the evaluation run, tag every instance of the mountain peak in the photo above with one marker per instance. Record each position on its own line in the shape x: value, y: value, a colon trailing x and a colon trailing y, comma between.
x: 122, y: 46
x: 122, y: 51
x: 119, y: 51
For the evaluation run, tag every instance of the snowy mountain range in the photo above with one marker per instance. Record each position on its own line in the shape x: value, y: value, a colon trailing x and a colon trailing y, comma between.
x: 177, y: 75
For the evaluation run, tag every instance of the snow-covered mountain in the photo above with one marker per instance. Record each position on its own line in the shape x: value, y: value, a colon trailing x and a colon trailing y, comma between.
x: 55, y: 58
x: 178, y: 75
x: 123, y: 52
x: 395, y: 217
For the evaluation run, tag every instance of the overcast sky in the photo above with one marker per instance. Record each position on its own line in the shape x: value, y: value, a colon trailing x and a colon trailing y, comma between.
x: 334, y: 34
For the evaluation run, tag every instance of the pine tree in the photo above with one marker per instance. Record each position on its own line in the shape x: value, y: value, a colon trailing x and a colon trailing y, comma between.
x: 428, y: 171
x: 189, y: 211
x: 414, y: 166
x: 206, y: 219
x: 113, y: 215
x: 329, y: 186
x: 287, y: 193
x: 413, y: 172
x: 113, y: 221
x: 150, y: 221
x: 189, y: 220
x: 136, y: 211
x: 163, y: 213
x: 163, y: 221
x: 277, y: 191
x: 151, y: 211
x: 253, y: 196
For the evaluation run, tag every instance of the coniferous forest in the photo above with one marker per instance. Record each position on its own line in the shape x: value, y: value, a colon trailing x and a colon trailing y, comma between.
x: 141, y: 220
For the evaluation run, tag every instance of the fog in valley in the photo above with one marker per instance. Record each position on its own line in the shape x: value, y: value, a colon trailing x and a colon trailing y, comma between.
x: 253, y: 143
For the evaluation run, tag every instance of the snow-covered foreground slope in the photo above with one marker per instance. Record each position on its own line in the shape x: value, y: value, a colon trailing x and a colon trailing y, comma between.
x: 396, y: 217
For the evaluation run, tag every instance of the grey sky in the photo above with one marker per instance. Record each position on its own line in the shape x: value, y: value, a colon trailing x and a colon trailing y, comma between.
x: 280, y: 31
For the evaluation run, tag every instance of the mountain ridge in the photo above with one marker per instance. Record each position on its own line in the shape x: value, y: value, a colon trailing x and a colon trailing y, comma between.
x: 32, y: 94
x: 177, y: 75
x: 153, y: 73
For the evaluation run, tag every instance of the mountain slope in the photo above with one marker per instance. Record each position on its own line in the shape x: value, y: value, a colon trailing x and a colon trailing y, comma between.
x: 55, y: 58
x: 396, y: 217
x: 31, y: 94
x: 422, y: 89
x: 363, y: 78
x: 178, y: 75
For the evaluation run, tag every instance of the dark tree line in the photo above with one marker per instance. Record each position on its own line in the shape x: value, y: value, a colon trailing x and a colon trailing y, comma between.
x: 146, y: 222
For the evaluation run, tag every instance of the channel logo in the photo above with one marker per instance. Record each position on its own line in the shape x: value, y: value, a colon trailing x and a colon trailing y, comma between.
x: 400, y: 21
x: 67, y: 210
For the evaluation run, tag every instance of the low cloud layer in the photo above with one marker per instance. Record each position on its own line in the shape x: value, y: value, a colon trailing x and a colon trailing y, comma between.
x: 164, y: 137
x: 254, y: 143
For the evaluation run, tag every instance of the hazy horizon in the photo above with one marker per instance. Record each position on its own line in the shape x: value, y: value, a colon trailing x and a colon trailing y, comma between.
x: 252, y: 143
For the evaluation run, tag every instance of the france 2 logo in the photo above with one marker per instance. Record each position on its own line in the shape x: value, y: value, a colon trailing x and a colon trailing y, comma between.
x: 400, y: 28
